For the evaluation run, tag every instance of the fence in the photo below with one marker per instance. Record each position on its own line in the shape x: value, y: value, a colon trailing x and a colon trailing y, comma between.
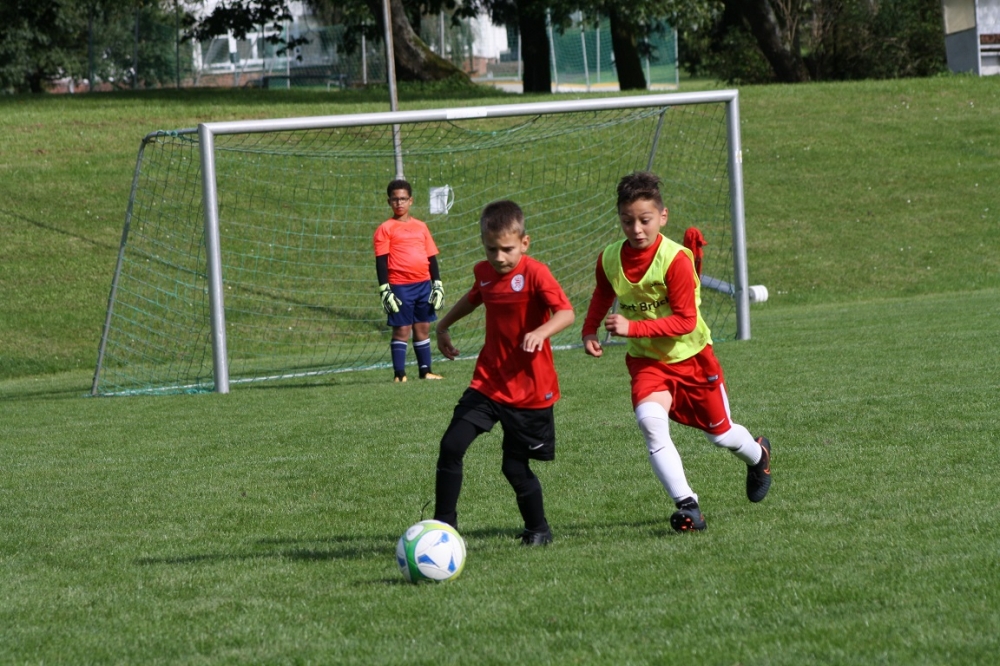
x: 144, y: 49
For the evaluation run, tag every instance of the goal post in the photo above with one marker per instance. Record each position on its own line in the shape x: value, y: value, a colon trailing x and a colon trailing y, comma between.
x: 246, y: 254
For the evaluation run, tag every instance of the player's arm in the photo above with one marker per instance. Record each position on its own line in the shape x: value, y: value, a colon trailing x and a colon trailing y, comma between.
x: 600, y: 302
x: 436, y: 298
x: 462, y: 308
x: 390, y: 303
x: 560, y: 319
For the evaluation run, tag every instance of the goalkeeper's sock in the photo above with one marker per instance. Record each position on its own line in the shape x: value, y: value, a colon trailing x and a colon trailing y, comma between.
x: 422, y: 348
x: 398, y: 348
x: 655, y: 426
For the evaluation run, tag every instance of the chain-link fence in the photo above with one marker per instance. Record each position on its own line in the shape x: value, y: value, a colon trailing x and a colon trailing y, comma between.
x: 146, y: 48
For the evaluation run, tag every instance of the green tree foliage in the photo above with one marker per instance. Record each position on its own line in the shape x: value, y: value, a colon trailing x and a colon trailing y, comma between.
x: 760, y: 41
x: 39, y: 40
x: 45, y: 40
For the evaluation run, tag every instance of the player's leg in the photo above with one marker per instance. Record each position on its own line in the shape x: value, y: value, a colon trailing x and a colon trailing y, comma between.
x: 528, y: 434
x: 652, y: 415
x: 401, y: 323
x: 471, y: 418
x: 400, y: 339
x: 528, y: 491
x: 422, y: 348
x: 423, y: 316
x: 715, y: 420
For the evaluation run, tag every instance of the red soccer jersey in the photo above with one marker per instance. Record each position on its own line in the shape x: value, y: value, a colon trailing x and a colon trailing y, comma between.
x: 409, y: 245
x: 516, y: 303
x: 680, y: 294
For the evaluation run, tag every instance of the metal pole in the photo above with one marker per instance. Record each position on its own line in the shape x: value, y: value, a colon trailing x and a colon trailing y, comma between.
x: 364, y: 61
x: 583, y: 48
x: 741, y: 280
x: 390, y: 56
x: 552, y: 49
x: 90, y: 50
x: 597, y: 30
x: 677, y: 64
x: 441, y: 30
x: 135, y: 53
x: 520, y: 64
x: 461, y: 113
x: 177, y: 43
x: 213, y: 256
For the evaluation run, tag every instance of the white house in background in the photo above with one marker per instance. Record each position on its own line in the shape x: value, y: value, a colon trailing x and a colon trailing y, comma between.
x: 489, y: 40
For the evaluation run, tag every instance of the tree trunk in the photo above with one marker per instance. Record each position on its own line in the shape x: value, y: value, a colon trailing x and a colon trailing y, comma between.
x: 537, y: 67
x: 414, y: 60
x: 787, y: 64
x: 627, y: 61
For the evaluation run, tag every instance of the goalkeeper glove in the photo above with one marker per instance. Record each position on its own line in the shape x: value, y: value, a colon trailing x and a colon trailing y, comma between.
x: 437, y: 294
x: 389, y: 301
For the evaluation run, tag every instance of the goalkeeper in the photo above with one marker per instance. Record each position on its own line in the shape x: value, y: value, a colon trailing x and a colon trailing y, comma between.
x: 409, y: 281
x: 675, y: 374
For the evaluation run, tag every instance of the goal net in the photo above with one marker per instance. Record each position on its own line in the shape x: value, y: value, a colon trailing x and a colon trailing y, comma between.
x: 247, y: 251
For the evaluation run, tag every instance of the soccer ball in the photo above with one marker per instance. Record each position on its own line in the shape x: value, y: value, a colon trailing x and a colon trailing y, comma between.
x: 430, y: 551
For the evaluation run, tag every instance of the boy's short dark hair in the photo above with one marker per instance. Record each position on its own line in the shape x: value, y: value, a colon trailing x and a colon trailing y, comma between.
x: 639, y: 185
x: 399, y: 184
x: 501, y: 217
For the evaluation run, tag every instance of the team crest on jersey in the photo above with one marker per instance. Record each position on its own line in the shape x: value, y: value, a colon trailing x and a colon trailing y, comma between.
x: 517, y: 282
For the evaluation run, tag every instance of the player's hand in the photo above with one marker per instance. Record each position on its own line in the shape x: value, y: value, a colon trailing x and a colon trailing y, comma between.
x: 437, y: 295
x: 592, y: 346
x: 445, y: 346
x: 616, y: 325
x: 389, y: 301
x: 532, y: 342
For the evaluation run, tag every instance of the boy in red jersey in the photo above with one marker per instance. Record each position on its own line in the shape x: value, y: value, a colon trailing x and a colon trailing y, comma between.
x: 674, y: 371
x: 409, y: 281
x: 514, y: 381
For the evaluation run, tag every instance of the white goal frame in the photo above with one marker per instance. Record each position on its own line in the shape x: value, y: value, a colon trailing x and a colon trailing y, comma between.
x: 739, y: 290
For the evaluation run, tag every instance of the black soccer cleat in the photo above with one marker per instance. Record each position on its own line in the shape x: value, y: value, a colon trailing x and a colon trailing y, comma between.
x: 759, y: 475
x: 536, y: 537
x: 688, y: 517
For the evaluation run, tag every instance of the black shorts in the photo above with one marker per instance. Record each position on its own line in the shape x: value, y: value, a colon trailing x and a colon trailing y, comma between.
x: 527, y: 433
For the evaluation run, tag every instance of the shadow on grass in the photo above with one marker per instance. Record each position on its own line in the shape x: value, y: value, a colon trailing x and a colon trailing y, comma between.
x: 353, y: 547
x: 49, y: 227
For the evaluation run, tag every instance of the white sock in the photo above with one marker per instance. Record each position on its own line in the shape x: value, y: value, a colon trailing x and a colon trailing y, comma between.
x: 663, y: 456
x: 738, y: 440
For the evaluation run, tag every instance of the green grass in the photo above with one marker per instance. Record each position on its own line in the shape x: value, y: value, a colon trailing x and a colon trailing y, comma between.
x: 259, y: 527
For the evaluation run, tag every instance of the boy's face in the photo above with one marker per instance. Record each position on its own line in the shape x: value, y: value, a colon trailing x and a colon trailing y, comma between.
x: 504, y: 251
x: 641, y: 221
x: 400, y: 201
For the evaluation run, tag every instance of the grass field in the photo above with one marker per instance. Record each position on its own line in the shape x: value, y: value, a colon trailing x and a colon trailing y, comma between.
x: 259, y: 527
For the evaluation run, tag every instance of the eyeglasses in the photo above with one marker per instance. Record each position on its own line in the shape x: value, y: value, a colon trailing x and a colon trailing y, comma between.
x: 399, y: 200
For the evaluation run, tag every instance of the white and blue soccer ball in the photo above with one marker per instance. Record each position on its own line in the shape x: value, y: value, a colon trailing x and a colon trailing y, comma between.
x: 430, y: 551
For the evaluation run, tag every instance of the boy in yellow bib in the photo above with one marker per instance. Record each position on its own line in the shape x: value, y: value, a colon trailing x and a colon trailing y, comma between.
x: 675, y: 374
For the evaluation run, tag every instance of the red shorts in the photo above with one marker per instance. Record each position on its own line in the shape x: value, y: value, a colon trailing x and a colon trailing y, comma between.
x: 696, y: 385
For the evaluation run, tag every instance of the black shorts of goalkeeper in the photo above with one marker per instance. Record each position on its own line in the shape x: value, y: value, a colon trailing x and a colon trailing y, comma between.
x: 527, y: 433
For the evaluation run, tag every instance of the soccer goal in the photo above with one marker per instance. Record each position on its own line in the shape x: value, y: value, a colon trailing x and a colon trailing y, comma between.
x: 246, y: 254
